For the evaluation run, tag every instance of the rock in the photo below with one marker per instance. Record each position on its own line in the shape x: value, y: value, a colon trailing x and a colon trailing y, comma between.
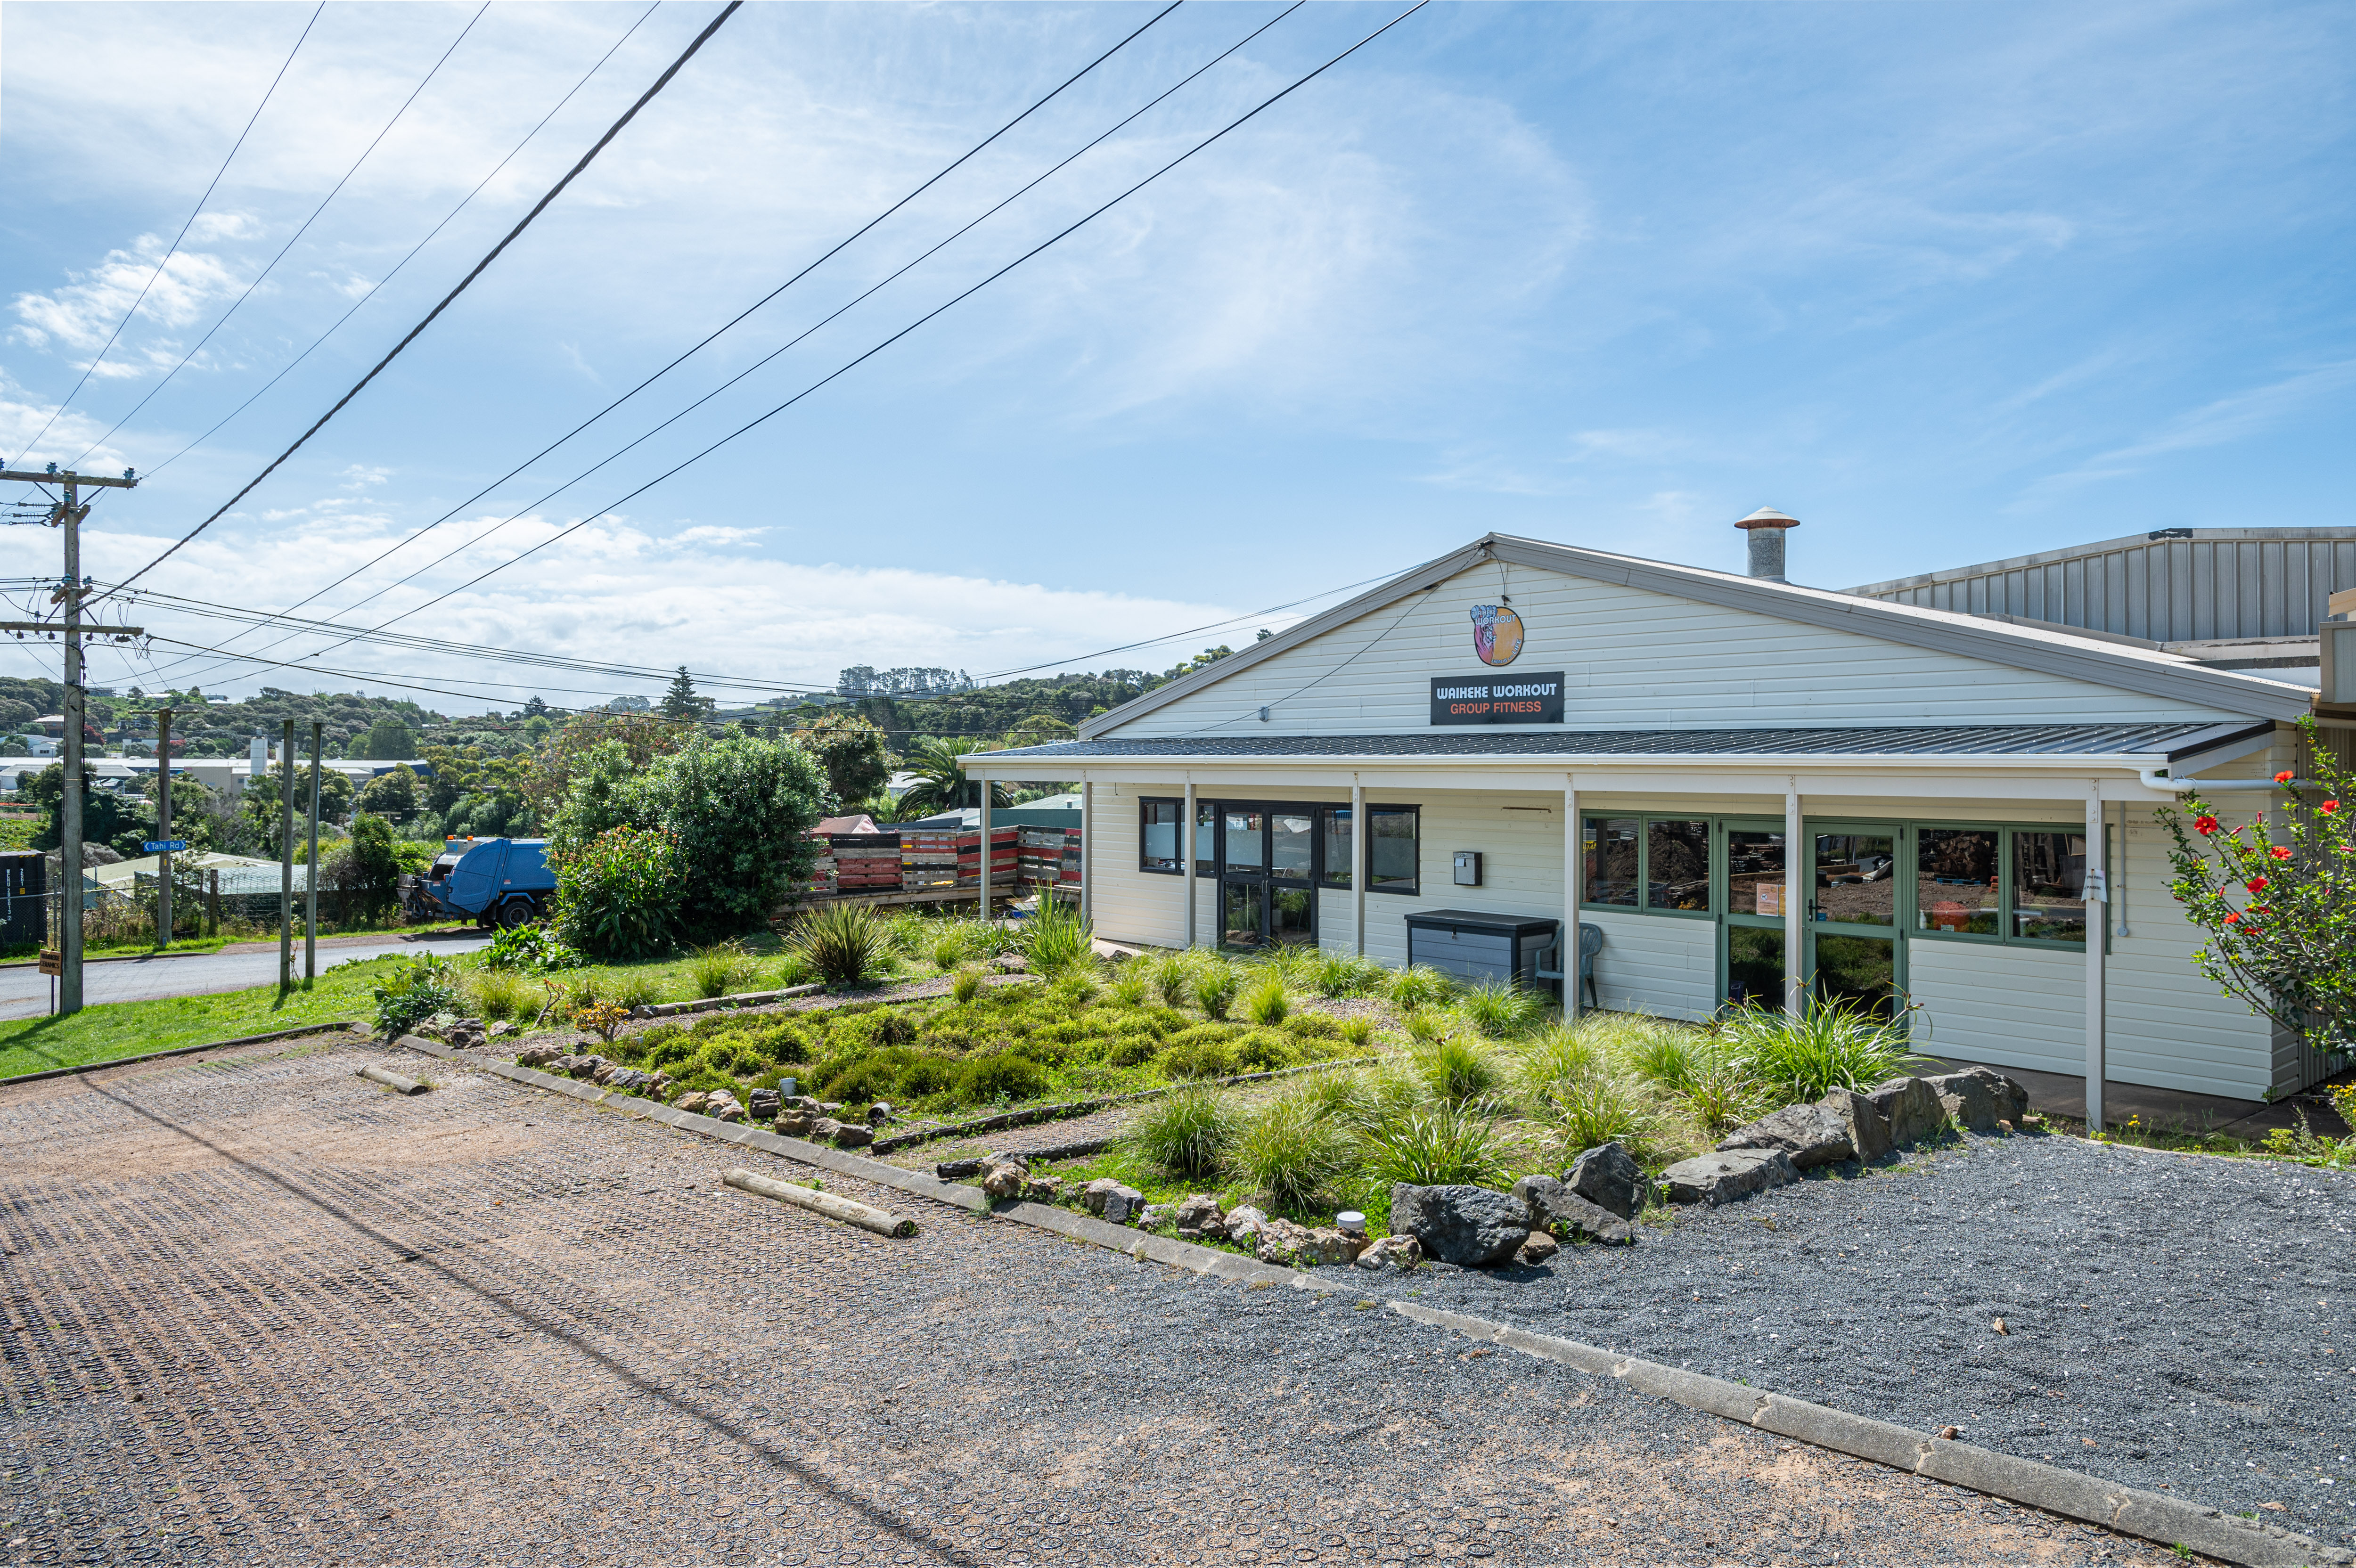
x: 805, y: 1104
x: 851, y: 1135
x: 1608, y: 1176
x: 1980, y: 1098
x: 1717, y: 1178
x: 824, y: 1128
x: 1564, y: 1214
x: 643, y: 1010
x: 1280, y: 1241
x: 1242, y: 1224
x: 586, y: 1066
x: 1400, y: 1252
x: 1869, y: 1129
x: 794, y: 1123
x: 1283, y: 1242
x: 539, y: 1056
x: 1812, y: 1135
x: 763, y: 1105
x: 1153, y: 1216
x: 1005, y: 1178
x: 1540, y: 1248
x: 722, y: 1106
x: 1470, y: 1226
x: 605, y: 1072
x: 1108, y: 1197
x: 1093, y: 1196
x: 501, y: 1030
x: 692, y: 1103
x: 1196, y: 1213
x: 1911, y: 1108
x: 630, y: 1081
x: 1044, y: 1188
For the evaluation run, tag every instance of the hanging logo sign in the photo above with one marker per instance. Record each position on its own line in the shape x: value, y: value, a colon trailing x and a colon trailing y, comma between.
x: 1496, y: 633
x: 1524, y: 700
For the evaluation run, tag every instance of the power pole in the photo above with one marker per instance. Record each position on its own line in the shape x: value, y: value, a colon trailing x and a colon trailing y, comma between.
x: 68, y: 515
x: 286, y: 860
x: 311, y: 910
x: 164, y: 826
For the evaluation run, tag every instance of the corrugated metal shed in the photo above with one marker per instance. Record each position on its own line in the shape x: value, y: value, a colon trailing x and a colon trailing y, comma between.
x: 2177, y: 585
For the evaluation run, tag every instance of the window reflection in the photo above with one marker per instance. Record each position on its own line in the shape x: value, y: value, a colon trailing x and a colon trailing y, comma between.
x: 1293, y: 846
x: 1242, y: 909
x: 2048, y: 886
x: 1754, y: 873
x: 1207, y: 827
x: 1158, y: 851
x: 1244, y: 851
x: 1856, y: 880
x: 1390, y: 847
x: 1955, y: 880
x: 1339, y: 846
x: 1611, y: 861
x: 1677, y: 864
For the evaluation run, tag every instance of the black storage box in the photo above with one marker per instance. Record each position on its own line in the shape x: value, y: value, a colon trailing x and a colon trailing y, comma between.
x: 1472, y: 945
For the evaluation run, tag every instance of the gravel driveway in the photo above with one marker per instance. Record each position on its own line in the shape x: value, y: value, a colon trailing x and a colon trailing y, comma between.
x: 259, y: 1310
x: 2173, y: 1319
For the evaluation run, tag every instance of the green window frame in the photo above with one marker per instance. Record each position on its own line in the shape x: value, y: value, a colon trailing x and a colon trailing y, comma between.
x: 1662, y: 888
x: 2006, y: 933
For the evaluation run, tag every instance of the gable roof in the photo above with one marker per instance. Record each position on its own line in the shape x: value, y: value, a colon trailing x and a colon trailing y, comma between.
x: 2067, y: 654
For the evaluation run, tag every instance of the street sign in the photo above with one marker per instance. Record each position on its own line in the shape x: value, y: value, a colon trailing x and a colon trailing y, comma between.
x: 52, y: 961
x: 159, y: 846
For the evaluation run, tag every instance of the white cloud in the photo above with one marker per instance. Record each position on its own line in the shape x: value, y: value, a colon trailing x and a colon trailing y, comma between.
x: 2228, y: 418
x: 83, y: 312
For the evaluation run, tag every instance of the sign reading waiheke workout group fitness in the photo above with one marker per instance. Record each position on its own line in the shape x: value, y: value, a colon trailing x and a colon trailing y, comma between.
x: 1497, y: 699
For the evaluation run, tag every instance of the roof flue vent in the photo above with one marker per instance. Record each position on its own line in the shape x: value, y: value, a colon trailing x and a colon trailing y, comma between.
x: 1766, y: 527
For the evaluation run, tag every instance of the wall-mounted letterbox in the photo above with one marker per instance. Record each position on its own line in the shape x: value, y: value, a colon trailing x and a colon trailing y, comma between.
x: 1468, y: 868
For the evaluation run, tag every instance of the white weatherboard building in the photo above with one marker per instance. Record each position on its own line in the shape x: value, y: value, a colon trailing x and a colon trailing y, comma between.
x: 1767, y: 791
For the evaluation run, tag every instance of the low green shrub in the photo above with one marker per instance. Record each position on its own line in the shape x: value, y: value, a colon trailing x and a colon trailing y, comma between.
x: 1264, y: 1051
x: 844, y: 944
x: 1358, y: 1033
x: 1314, y: 1026
x: 1267, y: 1001
x: 531, y: 950
x: 1187, y: 1131
x: 1000, y: 1077
x: 1184, y: 1058
x: 414, y: 993
x: 1833, y: 1045
x: 967, y: 984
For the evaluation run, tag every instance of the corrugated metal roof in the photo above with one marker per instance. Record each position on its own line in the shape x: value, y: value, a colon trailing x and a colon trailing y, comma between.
x: 2178, y: 740
x: 2215, y: 585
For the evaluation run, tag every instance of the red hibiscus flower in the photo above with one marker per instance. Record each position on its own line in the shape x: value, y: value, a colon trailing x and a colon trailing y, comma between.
x: 2283, y: 777
x: 2257, y: 884
x: 2279, y: 852
x: 2205, y: 825
x: 2231, y: 917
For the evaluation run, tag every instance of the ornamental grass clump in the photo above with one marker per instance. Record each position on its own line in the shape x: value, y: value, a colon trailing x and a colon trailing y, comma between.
x: 966, y: 983
x: 500, y: 994
x: 1171, y: 977
x: 1056, y: 938
x: 1797, y: 1058
x: 1336, y: 975
x: 1420, y: 988
x: 1442, y: 1145
x: 1457, y: 1070
x: 722, y: 968
x: 1188, y: 1131
x: 1267, y: 1001
x: 1501, y: 1010
x: 1294, y: 1153
x: 844, y: 946
x: 1215, y: 988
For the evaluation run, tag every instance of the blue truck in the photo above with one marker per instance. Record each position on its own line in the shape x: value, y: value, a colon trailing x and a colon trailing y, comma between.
x: 502, y: 882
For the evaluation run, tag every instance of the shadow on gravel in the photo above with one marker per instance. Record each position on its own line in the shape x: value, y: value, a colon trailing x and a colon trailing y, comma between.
x: 915, y: 1536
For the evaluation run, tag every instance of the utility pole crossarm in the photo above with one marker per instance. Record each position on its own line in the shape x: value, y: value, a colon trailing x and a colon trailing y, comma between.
x: 93, y: 630
x: 29, y: 477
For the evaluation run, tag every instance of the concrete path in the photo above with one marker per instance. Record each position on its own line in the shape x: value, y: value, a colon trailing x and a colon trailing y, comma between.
x: 25, y: 993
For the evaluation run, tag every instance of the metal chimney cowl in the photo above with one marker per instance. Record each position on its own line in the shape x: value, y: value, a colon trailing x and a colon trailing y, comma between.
x: 1766, y: 527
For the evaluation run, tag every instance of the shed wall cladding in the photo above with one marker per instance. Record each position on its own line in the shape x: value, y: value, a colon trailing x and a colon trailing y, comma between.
x: 2219, y: 585
x: 1631, y: 659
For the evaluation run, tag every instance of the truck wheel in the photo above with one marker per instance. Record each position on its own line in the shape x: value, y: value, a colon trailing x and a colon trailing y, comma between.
x: 516, y: 913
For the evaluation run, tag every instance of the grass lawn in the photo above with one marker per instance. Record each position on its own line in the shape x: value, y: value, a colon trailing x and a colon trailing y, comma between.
x: 129, y: 1028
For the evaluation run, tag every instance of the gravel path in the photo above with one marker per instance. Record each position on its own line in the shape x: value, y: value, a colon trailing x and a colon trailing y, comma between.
x: 2173, y: 1319
x: 257, y: 1310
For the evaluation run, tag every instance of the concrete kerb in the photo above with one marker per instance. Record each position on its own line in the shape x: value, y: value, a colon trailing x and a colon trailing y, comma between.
x: 326, y: 1027
x: 2170, y: 1522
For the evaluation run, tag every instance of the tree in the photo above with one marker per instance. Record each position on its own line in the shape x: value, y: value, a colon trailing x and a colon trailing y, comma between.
x: 849, y: 751
x: 393, y: 796
x: 363, y: 871
x: 1041, y: 730
x: 2278, y: 902
x: 941, y: 784
x: 534, y: 708
x: 680, y: 701
x: 737, y: 808
x: 547, y: 778
x: 387, y: 740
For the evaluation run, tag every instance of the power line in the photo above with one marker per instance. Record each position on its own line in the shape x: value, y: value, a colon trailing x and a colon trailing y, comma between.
x: 955, y: 300
x: 706, y: 341
x: 525, y: 222
x: 413, y: 250
x: 291, y: 239
x: 194, y: 213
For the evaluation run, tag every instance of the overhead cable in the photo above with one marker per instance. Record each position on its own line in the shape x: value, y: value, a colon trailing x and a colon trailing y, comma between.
x: 394, y: 271
x: 943, y: 173
x: 305, y: 227
x: 521, y: 224
x: 194, y: 213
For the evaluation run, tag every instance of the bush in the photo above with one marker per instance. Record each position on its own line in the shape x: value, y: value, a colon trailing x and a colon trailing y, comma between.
x: 1129, y: 991
x: 1358, y: 1033
x: 1501, y: 1009
x: 413, y: 994
x: 1186, y: 1132
x: 1172, y: 976
x: 1264, y: 1051
x: 531, y: 950
x: 1055, y: 940
x: 1602, y: 1106
x: 722, y: 969
x: 1267, y: 1002
x: 1215, y: 988
x: 1008, y: 1076
x: 1185, y: 1057
x: 844, y: 944
x: 1458, y: 1072
x: 1347, y: 975
x: 1834, y: 1045
x: 1436, y: 1146
x: 1421, y: 986
x: 1294, y: 1153
x: 1561, y: 1055
x: 793, y: 969
x: 966, y: 985
x: 617, y: 895
x: 1314, y: 1026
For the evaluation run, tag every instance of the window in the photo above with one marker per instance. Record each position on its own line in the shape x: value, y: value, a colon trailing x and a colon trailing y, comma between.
x: 1292, y: 844
x: 1677, y: 864
x: 2049, y: 887
x: 1242, y: 830
x: 1956, y: 888
x: 1754, y: 874
x: 1339, y: 845
x: 1612, y: 861
x: 1391, y: 848
x: 1856, y: 882
x: 1158, y: 835
x: 1206, y: 835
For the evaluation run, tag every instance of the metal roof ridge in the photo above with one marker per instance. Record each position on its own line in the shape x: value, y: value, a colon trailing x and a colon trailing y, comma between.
x: 2325, y: 531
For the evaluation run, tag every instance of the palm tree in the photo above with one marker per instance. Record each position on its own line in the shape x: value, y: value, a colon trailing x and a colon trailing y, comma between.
x: 941, y: 784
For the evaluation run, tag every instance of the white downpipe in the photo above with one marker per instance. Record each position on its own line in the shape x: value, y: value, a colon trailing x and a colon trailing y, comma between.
x: 1186, y: 861
x: 1361, y: 840
x: 2158, y: 779
x: 1574, y: 877
x: 1796, y: 906
x: 2097, y: 896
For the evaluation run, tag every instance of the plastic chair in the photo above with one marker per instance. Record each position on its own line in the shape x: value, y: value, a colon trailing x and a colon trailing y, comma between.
x: 1590, y: 943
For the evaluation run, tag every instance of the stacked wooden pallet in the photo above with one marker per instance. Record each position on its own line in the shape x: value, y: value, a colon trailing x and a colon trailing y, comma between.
x: 928, y: 858
x: 1049, y: 855
x: 820, y: 882
x: 1002, y: 870
x: 867, y: 862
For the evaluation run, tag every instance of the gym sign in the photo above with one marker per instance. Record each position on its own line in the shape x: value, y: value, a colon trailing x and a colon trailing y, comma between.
x: 1497, y: 699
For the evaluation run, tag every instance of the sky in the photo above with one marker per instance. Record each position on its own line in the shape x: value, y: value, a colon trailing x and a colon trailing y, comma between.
x: 1947, y: 282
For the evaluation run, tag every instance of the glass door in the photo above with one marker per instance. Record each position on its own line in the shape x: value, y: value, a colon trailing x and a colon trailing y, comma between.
x: 1853, y: 952
x: 1750, y: 939
x: 1268, y: 875
x: 1243, y: 876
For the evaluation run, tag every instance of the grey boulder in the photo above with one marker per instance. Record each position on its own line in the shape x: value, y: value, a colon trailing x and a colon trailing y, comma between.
x: 1402, y: 1254
x: 763, y: 1105
x: 1469, y: 1226
x: 1722, y: 1177
x: 1979, y: 1097
x: 1608, y: 1176
x: 1561, y: 1212
x: 1869, y: 1129
x: 1911, y: 1107
x: 1812, y: 1135
x: 1108, y: 1197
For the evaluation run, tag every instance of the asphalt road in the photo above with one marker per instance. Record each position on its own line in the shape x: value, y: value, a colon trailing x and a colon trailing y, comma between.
x: 253, y: 1308
x: 25, y: 993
